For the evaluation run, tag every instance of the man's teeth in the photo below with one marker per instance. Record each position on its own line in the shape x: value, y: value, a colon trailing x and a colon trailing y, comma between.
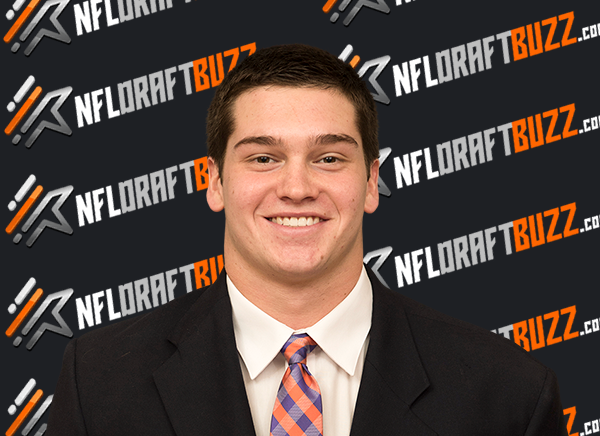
x: 295, y: 222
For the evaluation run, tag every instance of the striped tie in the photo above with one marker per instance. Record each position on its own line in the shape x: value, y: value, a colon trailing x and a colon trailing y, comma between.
x: 298, y: 410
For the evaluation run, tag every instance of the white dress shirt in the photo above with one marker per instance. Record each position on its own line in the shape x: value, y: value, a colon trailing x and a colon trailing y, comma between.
x: 336, y: 363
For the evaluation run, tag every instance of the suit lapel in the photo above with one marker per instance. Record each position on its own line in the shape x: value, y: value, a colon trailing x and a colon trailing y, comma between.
x: 393, y: 376
x: 201, y: 385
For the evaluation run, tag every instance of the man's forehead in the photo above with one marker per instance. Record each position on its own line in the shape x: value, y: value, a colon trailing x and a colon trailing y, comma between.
x: 255, y: 112
x: 266, y: 95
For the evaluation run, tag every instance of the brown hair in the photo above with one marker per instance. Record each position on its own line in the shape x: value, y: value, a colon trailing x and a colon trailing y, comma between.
x: 293, y: 65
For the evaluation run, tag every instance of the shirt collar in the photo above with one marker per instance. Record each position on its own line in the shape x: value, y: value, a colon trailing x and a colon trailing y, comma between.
x: 340, y: 334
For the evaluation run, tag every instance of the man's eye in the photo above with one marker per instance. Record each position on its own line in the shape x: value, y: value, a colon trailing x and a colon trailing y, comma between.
x: 263, y: 159
x: 330, y: 159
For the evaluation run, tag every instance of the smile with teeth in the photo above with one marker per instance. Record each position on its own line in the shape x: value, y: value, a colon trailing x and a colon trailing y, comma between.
x: 295, y: 222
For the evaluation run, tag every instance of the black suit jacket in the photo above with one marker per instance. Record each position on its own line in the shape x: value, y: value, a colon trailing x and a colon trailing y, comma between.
x: 175, y: 371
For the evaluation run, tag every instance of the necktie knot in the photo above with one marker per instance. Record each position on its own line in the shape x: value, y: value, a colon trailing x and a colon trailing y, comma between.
x: 297, y: 347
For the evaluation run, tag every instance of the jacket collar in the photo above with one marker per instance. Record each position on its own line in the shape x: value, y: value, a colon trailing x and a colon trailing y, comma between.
x: 393, y: 375
x: 201, y: 384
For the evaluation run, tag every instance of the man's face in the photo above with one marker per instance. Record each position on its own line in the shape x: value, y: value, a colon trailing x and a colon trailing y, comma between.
x: 294, y: 184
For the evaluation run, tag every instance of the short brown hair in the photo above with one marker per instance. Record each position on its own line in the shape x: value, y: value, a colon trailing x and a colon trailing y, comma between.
x: 293, y: 65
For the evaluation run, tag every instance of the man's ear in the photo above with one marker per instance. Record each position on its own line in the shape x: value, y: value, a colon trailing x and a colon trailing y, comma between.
x: 372, y: 197
x: 214, y: 193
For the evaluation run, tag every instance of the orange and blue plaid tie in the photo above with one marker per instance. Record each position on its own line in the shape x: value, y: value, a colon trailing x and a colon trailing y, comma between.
x: 298, y: 410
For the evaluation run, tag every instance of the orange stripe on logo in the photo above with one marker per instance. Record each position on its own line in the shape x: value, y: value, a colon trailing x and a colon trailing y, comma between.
x: 26, y: 411
x: 17, y: 118
x: 329, y: 5
x: 15, y: 27
x: 23, y: 314
x: 355, y: 60
x: 21, y: 213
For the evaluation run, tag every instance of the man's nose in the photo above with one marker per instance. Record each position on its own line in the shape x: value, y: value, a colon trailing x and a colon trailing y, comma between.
x: 297, y: 182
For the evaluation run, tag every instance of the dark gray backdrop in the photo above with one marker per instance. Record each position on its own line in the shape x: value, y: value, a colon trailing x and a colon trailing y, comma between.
x: 169, y: 235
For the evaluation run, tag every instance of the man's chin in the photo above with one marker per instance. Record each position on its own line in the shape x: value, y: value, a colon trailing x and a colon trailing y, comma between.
x: 299, y: 269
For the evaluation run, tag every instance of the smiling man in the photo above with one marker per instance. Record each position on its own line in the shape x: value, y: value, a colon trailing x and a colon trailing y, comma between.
x: 298, y: 337
x: 294, y: 186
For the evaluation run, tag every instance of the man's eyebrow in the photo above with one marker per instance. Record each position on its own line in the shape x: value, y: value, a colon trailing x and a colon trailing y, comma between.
x: 260, y: 140
x: 331, y: 138
x: 319, y: 140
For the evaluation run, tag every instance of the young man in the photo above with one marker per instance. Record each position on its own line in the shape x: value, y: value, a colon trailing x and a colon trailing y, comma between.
x: 298, y: 337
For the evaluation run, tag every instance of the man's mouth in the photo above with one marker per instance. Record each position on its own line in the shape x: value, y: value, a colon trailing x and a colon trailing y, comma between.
x: 295, y: 221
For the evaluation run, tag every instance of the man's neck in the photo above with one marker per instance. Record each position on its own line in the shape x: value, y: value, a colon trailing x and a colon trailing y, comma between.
x: 298, y: 302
